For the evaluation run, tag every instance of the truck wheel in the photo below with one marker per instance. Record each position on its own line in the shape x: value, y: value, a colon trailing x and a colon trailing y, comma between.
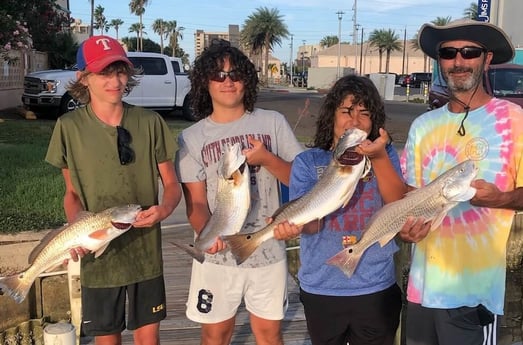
x: 187, y: 112
x: 68, y: 104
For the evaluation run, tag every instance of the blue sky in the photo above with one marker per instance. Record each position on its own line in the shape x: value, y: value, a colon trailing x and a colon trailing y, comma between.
x: 306, y: 20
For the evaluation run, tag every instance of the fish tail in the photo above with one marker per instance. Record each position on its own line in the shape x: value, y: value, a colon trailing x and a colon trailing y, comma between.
x: 15, y: 286
x: 346, y: 260
x: 242, y: 245
x: 198, y: 255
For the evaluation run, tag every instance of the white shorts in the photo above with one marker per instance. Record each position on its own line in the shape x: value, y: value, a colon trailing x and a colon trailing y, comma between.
x: 216, y: 291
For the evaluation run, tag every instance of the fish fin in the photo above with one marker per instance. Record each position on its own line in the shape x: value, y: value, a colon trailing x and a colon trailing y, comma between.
x: 43, y: 243
x: 242, y: 245
x: 386, y: 239
x: 368, y: 167
x: 15, y: 286
x: 348, y: 194
x: 100, y: 234
x: 346, y: 260
x: 53, y: 267
x: 100, y: 250
x: 438, y: 219
x: 81, y: 215
x: 466, y: 195
x: 198, y: 255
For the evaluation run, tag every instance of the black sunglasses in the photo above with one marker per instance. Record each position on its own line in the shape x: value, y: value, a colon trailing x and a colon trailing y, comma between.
x: 125, y: 152
x: 222, y: 75
x: 449, y: 53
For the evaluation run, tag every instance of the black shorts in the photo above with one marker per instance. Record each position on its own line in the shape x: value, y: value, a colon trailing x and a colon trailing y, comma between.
x: 455, y: 326
x: 103, y: 309
x: 366, y: 319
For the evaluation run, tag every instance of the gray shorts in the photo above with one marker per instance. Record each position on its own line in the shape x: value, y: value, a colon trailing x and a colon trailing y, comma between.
x: 456, y: 326
x: 103, y: 309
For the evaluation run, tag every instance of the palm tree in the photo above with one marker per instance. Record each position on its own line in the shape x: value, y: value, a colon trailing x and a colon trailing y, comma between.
x: 441, y: 21
x: 136, y: 28
x: 92, y: 18
x: 116, y: 23
x: 261, y: 31
x: 174, y: 33
x: 137, y: 7
x: 100, y: 22
x: 160, y: 27
x: 328, y: 41
x: 386, y: 41
x: 472, y: 11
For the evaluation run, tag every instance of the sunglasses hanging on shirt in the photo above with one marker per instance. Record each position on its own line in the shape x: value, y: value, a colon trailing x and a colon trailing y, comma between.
x: 123, y: 140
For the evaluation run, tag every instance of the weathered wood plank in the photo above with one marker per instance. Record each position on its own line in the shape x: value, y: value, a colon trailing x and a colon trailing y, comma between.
x: 176, y: 329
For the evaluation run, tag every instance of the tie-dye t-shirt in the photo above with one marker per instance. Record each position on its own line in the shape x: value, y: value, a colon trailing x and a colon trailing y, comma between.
x: 462, y: 263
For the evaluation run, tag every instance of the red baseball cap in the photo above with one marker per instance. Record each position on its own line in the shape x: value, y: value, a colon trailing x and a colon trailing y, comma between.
x: 98, y: 52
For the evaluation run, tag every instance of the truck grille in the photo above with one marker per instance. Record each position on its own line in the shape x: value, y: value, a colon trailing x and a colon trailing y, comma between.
x: 34, y: 86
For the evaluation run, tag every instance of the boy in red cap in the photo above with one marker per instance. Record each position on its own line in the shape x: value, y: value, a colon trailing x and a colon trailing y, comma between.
x: 112, y: 153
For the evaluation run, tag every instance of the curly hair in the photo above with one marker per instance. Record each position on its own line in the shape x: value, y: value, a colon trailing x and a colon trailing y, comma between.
x: 209, y: 63
x: 364, y: 92
x: 80, y: 92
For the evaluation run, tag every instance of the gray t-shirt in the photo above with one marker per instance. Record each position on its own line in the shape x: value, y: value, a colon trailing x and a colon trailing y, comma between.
x: 199, y: 152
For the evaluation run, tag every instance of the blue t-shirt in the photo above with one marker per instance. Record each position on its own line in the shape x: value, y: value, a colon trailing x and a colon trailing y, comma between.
x: 375, y: 271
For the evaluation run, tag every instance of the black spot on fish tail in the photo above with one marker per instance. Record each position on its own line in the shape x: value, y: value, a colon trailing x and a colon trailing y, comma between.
x: 241, y: 246
x: 190, y: 249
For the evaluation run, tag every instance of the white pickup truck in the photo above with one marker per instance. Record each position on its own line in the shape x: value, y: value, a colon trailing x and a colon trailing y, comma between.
x: 163, y: 86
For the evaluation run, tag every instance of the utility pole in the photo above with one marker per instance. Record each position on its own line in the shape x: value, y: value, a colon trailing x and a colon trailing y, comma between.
x: 404, y: 49
x: 355, y: 23
x: 303, y: 53
x: 361, y: 52
x: 340, y: 16
x: 291, y: 60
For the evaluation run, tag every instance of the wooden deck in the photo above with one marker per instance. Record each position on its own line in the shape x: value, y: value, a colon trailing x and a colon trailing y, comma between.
x: 176, y: 329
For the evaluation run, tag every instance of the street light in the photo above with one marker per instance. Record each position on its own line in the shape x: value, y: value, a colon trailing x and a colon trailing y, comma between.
x: 340, y: 16
x: 291, y: 60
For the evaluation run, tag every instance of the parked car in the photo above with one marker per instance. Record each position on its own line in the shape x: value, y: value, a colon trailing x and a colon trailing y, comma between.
x: 417, y: 79
x: 401, y: 78
x: 163, y: 85
x: 300, y: 80
x: 503, y: 81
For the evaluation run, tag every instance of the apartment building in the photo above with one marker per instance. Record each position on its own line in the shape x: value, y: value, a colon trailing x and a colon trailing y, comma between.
x: 202, y: 38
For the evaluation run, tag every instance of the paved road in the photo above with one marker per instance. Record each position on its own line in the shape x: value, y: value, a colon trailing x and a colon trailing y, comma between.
x: 301, y: 108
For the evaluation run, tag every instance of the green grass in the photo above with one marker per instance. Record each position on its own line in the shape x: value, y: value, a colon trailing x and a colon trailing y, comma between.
x: 31, y: 190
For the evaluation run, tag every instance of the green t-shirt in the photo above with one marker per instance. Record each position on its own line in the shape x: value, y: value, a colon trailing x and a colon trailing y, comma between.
x: 88, y: 148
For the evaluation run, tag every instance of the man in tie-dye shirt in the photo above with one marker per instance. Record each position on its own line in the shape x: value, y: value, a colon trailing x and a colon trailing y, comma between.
x: 456, y: 284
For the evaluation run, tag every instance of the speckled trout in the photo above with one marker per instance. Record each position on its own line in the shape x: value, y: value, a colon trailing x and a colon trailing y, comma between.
x: 333, y: 190
x: 233, y: 200
x: 93, y: 231
x: 431, y: 202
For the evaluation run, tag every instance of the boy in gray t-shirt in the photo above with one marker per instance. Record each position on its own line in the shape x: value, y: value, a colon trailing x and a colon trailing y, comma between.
x: 224, y: 85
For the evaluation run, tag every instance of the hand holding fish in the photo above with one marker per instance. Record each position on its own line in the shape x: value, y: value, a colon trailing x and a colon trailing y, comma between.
x: 151, y: 216
x: 257, y: 153
x: 217, y: 246
x: 376, y: 148
x: 415, y: 229
x: 286, y: 231
x: 488, y: 195
x: 77, y: 253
